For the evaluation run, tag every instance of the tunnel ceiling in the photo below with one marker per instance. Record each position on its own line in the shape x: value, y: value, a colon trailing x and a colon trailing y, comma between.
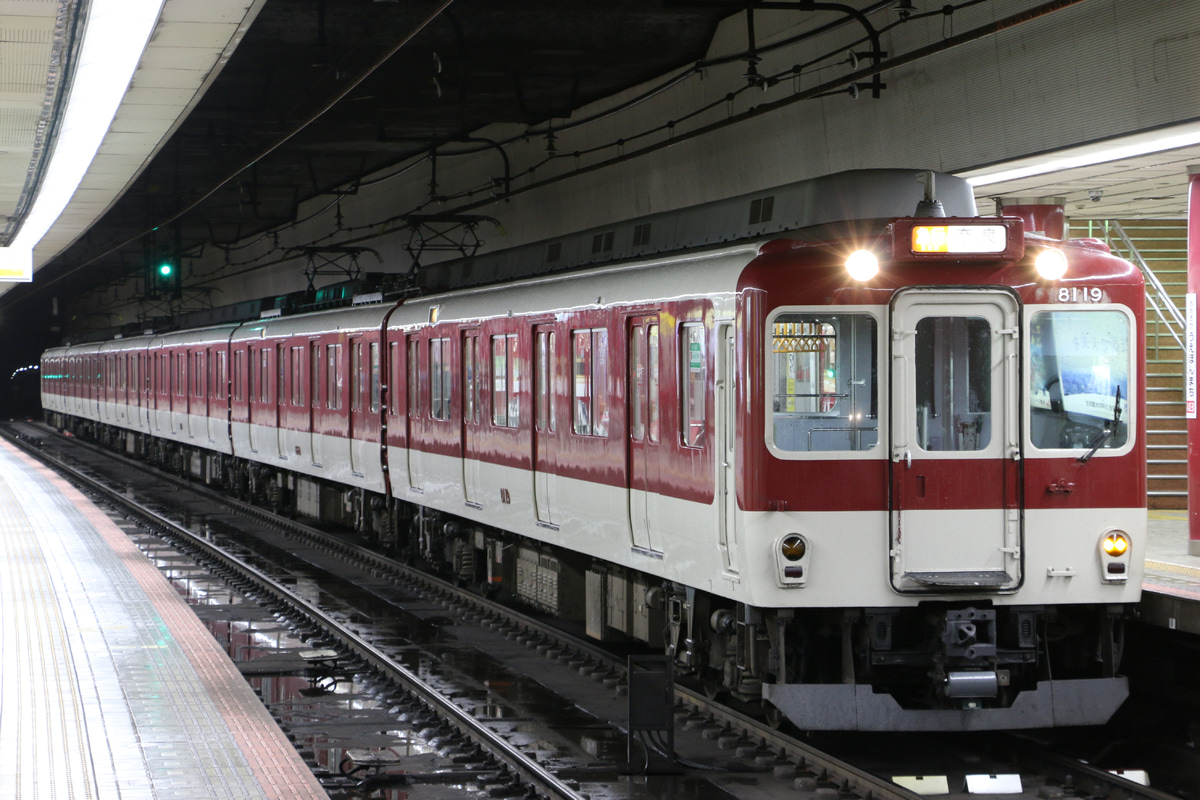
x: 281, y: 124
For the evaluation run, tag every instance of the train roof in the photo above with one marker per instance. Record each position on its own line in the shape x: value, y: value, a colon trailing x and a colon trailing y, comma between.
x: 804, y: 209
x: 355, y: 319
x: 711, y: 273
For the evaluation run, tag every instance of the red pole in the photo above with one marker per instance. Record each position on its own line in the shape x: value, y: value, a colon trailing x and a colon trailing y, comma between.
x: 1189, y: 361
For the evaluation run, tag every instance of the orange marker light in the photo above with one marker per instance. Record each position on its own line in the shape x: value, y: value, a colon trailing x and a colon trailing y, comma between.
x: 1115, y: 544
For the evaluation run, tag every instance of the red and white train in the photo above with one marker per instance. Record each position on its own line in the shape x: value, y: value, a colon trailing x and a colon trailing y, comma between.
x: 884, y: 472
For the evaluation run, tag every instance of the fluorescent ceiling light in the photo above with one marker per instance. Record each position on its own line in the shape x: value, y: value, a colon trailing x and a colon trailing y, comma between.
x: 1111, y: 150
x: 116, y: 35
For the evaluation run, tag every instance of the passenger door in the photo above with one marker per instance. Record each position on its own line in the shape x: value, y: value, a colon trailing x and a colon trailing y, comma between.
x: 314, y: 401
x: 642, y: 415
x: 281, y: 396
x: 726, y: 387
x: 259, y: 390
x: 472, y: 383
x: 146, y: 389
x: 411, y: 416
x: 956, y: 517
x: 357, y: 392
x: 545, y: 423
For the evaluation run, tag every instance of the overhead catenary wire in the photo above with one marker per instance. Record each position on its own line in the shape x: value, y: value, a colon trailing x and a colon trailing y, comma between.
x: 324, y: 109
x: 379, y: 228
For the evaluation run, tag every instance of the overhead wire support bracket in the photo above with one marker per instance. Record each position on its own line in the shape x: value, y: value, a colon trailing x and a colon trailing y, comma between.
x: 340, y: 261
x: 444, y: 233
x: 876, y: 53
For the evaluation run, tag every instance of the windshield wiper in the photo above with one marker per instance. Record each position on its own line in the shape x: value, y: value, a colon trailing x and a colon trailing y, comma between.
x: 1105, y: 434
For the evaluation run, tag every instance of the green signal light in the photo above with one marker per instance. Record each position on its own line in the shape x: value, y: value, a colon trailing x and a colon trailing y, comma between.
x: 166, y: 269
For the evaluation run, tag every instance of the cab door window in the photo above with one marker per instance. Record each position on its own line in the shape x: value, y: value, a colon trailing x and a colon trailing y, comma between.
x: 1079, y: 379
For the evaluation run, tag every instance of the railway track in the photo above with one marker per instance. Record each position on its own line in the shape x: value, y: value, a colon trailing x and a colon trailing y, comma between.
x: 715, y: 743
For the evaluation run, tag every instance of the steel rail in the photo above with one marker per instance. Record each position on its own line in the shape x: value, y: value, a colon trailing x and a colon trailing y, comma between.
x: 850, y: 779
x: 524, y: 766
x: 1085, y: 778
x: 805, y: 757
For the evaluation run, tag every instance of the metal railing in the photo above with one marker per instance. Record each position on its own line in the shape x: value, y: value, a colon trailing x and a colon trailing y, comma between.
x: 1168, y: 313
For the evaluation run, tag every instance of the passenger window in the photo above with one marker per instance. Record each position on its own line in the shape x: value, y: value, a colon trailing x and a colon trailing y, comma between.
x: 1079, y: 367
x: 822, y: 380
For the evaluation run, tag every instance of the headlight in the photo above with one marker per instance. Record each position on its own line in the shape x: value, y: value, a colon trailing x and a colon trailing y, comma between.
x: 792, y: 560
x: 792, y: 547
x: 1051, y: 264
x: 862, y: 265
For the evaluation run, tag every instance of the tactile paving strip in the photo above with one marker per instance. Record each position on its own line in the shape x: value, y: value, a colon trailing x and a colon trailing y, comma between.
x: 110, y: 687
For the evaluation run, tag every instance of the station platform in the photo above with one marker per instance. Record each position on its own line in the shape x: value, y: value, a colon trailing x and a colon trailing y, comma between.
x: 109, y: 685
x: 1171, y: 589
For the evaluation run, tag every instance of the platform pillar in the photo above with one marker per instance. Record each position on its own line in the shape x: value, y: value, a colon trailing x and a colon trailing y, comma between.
x: 1189, y: 362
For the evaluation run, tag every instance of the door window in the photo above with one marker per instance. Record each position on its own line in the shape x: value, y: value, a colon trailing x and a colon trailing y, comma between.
x: 297, y: 376
x: 506, y: 381
x: 544, y: 380
x: 439, y: 378
x: 357, y: 376
x: 333, y: 376
x: 694, y: 382
x: 637, y: 384
x: 953, y: 383
x: 590, y: 385
x: 376, y: 380
x: 472, y: 401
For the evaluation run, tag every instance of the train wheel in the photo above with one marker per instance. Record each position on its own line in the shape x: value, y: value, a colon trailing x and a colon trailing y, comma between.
x: 773, y: 716
x: 710, y: 682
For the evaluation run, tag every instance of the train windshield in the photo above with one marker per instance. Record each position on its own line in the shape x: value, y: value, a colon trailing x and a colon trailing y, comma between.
x: 1079, y: 379
x: 824, y: 384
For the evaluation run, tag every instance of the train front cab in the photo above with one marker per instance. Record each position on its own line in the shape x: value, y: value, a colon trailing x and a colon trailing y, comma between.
x: 946, y: 465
